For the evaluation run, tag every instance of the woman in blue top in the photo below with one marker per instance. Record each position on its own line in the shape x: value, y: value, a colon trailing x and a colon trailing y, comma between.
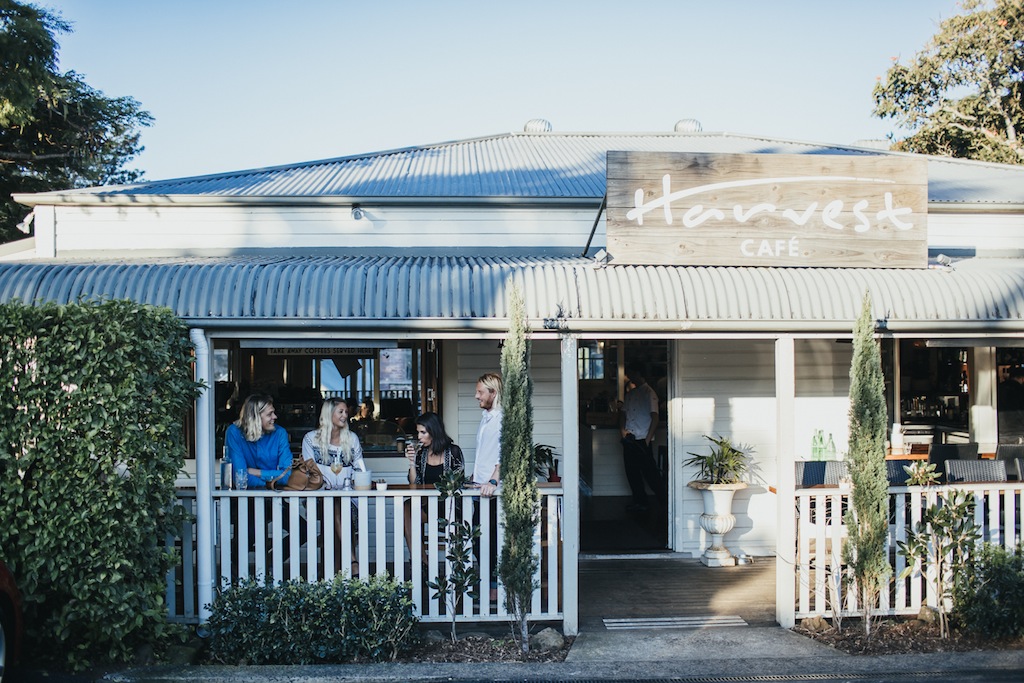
x: 256, y: 445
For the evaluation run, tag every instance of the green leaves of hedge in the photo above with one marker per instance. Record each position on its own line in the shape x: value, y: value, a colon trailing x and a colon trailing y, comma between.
x: 326, y: 622
x: 91, y: 439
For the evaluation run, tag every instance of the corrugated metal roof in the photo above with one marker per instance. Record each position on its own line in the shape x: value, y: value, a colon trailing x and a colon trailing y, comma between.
x: 461, y: 293
x: 533, y: 166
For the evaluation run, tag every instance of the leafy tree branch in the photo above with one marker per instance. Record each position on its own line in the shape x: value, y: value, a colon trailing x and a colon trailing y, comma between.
x: 963, y: 94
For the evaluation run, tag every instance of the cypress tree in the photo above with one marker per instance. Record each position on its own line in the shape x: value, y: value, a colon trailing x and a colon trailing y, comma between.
x: 867, y: 519
x: 520, y: 503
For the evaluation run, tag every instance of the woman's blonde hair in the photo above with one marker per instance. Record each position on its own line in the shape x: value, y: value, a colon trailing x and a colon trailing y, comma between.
x: 323, y: 432
x: 249, y: 420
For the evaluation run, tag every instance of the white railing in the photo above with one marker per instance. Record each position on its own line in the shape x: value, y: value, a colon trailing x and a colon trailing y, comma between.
x: 821, y: 532
x: 273, y: 536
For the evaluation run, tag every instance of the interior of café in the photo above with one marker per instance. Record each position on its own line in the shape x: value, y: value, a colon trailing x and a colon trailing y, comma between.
x: 386, y: 384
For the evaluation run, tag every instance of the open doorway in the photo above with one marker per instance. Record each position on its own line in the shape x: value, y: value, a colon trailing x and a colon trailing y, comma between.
x: 623, y: 489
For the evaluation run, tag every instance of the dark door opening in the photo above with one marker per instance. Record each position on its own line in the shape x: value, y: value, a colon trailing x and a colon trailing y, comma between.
x: 621, y: 513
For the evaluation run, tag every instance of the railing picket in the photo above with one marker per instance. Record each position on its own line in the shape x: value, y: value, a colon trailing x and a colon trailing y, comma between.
x: 381, y: 529
x: 312, y: 554
x: 277, y: 541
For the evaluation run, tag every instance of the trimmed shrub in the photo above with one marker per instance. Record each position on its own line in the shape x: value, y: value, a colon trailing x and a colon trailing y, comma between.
x: 988, y: 594
x: 92, y: 434
x: 326, y: 622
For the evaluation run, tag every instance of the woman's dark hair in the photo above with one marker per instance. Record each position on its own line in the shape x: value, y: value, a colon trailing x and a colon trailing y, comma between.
x: 439, y: 439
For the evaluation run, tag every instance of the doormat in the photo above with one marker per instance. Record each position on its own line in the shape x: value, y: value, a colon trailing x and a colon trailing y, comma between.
x: 673, y: 622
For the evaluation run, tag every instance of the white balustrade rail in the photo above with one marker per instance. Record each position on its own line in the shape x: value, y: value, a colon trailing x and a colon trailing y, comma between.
x: 273, y: 536
x: 821, y: 532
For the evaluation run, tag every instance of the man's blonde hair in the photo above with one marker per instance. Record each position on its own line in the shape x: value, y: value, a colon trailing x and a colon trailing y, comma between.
x: 492, y: 382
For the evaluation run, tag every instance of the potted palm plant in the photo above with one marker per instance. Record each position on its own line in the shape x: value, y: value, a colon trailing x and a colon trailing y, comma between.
x: 720, y: 474
x: 545, y: 463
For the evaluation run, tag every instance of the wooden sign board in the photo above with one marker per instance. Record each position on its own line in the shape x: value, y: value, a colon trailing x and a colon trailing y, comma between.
x: 855, y: 211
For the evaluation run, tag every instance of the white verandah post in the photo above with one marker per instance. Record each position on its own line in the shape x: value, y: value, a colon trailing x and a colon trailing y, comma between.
x: 204, y: 474
x: 570, y: 487
x: 785, y: 444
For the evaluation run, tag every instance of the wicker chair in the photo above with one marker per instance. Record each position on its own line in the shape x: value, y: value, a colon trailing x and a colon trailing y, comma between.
x: 895, y: 473
x: 963, y: 471
x: 820, y: 473
x: 1009, y: 453
x: 939, y: 453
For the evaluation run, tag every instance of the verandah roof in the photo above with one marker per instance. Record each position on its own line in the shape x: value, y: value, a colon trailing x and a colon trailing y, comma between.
x: 458, y: 294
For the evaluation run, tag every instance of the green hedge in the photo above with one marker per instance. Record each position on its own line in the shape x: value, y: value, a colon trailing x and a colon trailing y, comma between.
x: 327, y: 622
x: 91, y: 439
x: 988, y: 593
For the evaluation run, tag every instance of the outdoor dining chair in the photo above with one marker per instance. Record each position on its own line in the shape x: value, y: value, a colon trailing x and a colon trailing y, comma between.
x: 964, y: 471
x: 895, y: 473
x: 1008, y: 453
x: 939, y: 453
x: 820, y: 473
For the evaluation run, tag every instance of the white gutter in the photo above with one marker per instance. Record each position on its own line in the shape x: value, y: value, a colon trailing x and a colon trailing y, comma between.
x: 204, y: 474
x: 436, y: 327
x: 84, y: 198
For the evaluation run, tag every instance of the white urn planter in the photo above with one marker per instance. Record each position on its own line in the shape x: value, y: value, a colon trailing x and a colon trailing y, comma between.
x: 717, y: 520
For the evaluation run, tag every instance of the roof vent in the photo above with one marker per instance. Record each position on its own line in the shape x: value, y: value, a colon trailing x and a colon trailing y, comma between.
x: 537, y: 126
x: 688, y: 126
x: 873, y: 144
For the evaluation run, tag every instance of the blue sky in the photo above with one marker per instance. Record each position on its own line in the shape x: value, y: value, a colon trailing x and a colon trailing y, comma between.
x: 236, y: 84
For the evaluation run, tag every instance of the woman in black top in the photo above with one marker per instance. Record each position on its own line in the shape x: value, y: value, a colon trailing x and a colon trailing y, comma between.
x: 435, y: 454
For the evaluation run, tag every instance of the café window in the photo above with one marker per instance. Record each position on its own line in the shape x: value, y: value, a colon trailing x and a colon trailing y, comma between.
x: 934, y: 398
x: 591, y: 360
x: 399, y: 379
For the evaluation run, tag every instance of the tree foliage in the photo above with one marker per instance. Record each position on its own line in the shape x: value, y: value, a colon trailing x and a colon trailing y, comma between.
x: 92, y: 437
x: 520, y: 502
x: 56, y: 132
x: 867, y: 519
x: 963, y: 94
x: 459, y: 535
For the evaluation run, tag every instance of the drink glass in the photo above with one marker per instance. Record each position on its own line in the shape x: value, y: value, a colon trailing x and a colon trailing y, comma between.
x: 336, y: 465
x: 242, y: 480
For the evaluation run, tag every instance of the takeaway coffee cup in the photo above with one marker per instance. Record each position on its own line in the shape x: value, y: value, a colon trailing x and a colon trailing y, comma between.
x: 362, y: 480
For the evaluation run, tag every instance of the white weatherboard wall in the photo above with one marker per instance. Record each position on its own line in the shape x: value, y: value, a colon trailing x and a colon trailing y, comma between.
x: 167, y: 228
x: 185, y: 229
x: 476, y: 357
x: 822, y: 393
x: 727, y: 388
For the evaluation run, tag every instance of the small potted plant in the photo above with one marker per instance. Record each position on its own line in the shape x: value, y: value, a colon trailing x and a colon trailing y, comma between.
x: 545, y: 464
x: 720, y: 475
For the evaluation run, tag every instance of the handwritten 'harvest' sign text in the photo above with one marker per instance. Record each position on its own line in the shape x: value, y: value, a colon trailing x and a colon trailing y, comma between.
x: 788, y: 210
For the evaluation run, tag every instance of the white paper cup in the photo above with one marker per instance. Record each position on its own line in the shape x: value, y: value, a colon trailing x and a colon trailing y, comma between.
x: 362, y: 480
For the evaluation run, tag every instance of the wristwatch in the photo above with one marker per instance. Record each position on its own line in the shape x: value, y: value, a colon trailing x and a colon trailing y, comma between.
x: 492, y: 482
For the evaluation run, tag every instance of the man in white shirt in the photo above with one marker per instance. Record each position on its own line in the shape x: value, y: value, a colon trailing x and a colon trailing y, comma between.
x: 487, y: 468
x: 638, y: 421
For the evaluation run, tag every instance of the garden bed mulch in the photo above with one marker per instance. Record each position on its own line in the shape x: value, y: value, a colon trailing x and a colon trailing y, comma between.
x: 903, y: 636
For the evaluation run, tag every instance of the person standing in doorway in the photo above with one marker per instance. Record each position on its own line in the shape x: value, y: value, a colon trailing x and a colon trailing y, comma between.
x: 638, y: 421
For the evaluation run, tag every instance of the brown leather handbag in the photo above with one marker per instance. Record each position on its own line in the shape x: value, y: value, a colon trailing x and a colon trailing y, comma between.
x: 305, y: 476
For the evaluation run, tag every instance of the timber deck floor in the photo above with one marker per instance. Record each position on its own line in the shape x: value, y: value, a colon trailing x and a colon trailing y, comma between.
x: 643, y: 588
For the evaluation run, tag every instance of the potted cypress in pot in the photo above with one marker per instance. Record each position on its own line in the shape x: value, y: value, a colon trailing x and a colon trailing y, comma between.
x: 719, y: 478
